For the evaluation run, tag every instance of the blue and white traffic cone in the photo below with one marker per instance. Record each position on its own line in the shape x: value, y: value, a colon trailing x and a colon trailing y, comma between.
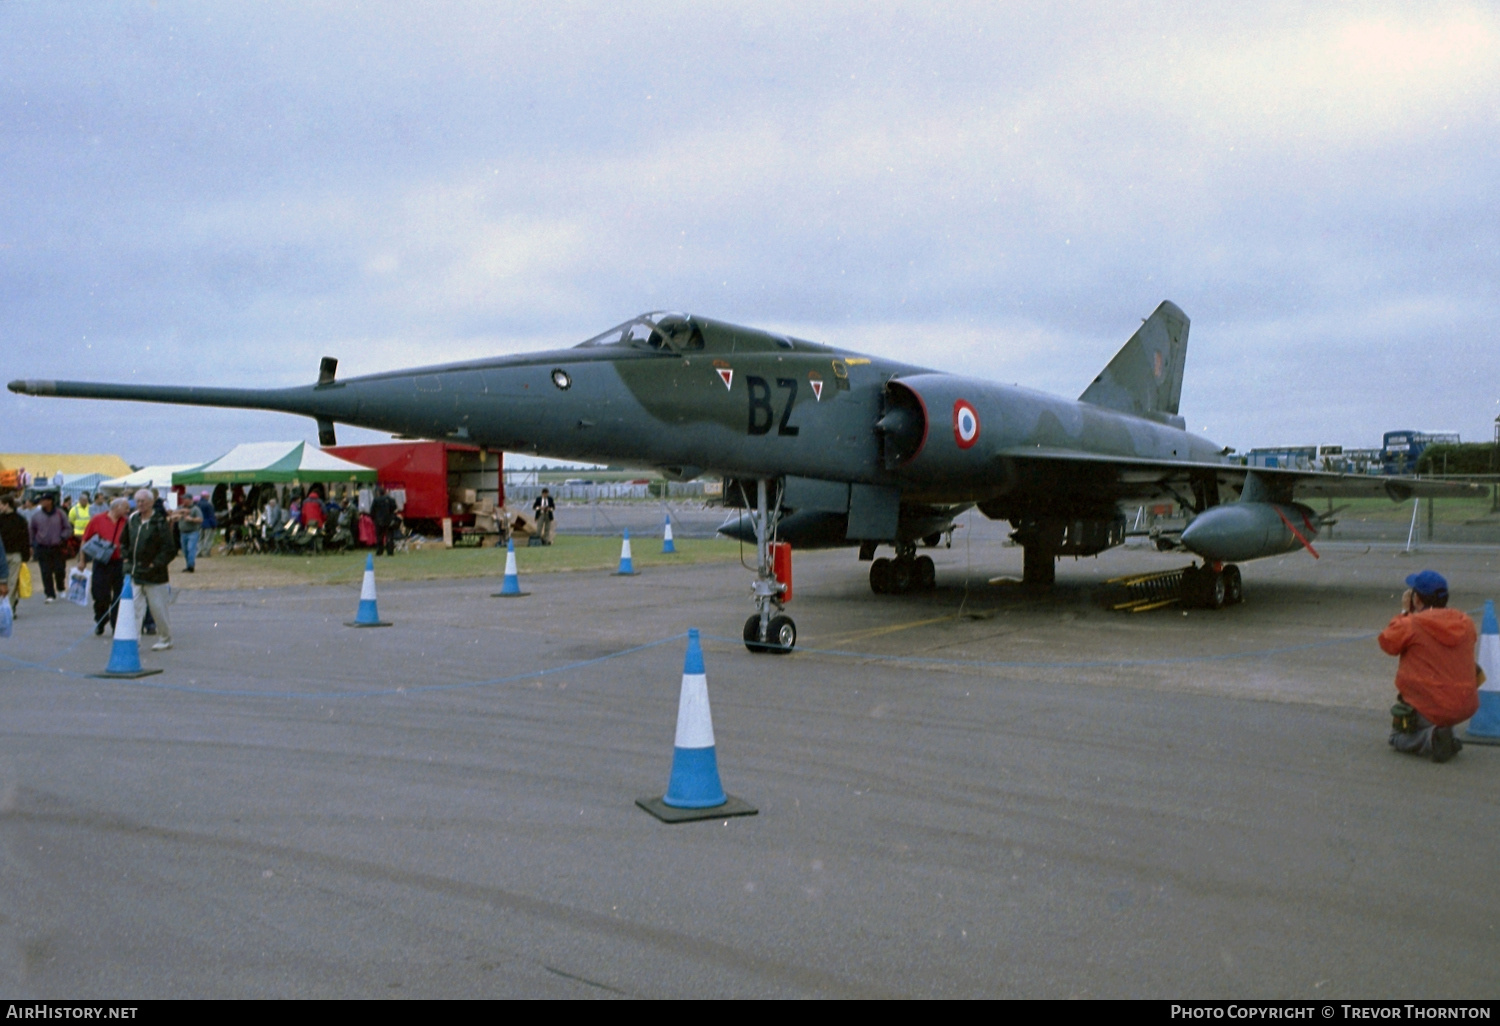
x: 511, y: 586
x: 367, y: 616
x: 694, y: 790
x: 666, y: 537
x: 1484, y: 728
x: 125, y: 653
x: 627, y: 566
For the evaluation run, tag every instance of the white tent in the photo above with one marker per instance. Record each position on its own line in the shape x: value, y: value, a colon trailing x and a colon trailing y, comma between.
x: 157, y: 477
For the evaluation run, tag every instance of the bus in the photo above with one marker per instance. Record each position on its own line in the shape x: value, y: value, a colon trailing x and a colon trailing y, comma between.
x: 1400, y: 450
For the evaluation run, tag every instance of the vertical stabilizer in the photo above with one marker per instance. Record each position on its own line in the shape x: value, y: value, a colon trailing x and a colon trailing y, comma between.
x: 1145, y: 377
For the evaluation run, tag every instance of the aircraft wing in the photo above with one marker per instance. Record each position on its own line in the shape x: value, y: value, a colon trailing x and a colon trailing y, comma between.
x: 1135, y: 479
x: 1314, y: 484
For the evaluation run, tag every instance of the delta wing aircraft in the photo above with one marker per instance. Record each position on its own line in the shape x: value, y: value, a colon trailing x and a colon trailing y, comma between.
x: 820, y: 446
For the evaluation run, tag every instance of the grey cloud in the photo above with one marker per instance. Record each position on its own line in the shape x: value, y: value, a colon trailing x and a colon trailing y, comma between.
x: 244, y: 188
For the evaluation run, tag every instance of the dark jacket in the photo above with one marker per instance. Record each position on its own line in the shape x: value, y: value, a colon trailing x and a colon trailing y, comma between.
x: 383, y: 510
x: 16, y: 537
x: 49, y: 530
x: 148, y: 547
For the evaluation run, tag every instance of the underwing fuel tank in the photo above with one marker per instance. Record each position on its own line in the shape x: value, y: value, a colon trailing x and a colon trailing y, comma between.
x: 804, y: 529
x: 1240, y: 531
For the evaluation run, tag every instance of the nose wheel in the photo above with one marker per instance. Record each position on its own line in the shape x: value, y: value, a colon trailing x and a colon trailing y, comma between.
x: 779, y: 639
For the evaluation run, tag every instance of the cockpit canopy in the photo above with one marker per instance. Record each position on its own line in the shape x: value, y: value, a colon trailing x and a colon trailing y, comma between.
x: 660, y: 331
x: 670, y: 333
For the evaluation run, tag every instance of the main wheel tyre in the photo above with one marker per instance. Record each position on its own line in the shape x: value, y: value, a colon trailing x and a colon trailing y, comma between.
x: 782, y: 636
x: 1193, y: 587
x: 1234, y: 588
x: 903, y: 576
x: 880, y: 576
x: 1215, y: 590
x: 926, y: 573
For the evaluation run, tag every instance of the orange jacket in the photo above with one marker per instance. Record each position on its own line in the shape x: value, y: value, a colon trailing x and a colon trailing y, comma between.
x: 1436, y: 676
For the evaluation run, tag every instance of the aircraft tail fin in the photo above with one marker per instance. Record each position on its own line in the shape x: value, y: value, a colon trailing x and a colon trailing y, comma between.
x: 1145, y: 377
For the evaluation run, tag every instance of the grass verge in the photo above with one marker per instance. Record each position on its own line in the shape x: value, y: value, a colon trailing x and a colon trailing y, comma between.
x: 1382, y: 511
x: 437, y: 563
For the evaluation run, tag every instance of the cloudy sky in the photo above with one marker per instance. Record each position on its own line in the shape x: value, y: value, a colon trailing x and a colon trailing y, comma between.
x: 207, y: 193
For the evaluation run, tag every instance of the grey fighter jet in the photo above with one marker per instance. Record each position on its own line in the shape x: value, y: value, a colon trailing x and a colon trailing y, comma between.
x: 821, y: 446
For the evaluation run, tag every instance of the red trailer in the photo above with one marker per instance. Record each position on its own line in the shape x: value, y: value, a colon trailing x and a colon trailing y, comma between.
x: 433, y: 480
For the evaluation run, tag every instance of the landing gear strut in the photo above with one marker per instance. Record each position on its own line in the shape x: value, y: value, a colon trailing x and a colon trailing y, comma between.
x: 769, y: 630
x: 907, y: 573
x: 1039, y: 566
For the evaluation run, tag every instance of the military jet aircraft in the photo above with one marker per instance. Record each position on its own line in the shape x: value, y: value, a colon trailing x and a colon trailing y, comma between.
x: 822, y: 446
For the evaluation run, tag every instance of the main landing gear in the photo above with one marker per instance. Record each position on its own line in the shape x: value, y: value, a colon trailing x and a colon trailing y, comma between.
x: 903, y: 575
x: 770, y: 629
x: 1038, y: 566
x: 1212, y: 586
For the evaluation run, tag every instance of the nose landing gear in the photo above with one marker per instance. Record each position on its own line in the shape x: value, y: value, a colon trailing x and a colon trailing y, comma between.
x: 770, y: 630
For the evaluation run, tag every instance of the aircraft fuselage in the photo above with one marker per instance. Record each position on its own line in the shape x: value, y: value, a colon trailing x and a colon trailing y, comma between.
x: 746, y: 404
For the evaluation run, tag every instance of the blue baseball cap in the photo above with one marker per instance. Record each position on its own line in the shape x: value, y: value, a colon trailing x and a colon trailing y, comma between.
x: 1429, y: 584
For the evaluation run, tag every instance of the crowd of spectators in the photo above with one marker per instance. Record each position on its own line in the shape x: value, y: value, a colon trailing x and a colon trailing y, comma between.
x: 51, y: 532
x: 289, y: 519
x: 104, y: 539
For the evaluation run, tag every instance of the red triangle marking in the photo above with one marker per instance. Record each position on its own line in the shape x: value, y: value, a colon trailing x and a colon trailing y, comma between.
x: 727, y: 374
x: 817, y: 389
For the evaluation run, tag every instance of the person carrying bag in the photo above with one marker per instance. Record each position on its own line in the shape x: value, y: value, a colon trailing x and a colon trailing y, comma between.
x: 101, y: 545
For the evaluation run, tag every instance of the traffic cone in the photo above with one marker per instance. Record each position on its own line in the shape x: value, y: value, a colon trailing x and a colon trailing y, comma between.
x: 1484, y: 728
x: 694, y: 790
x: 627, y: 567
x: 511, y: 586
x: 125, y: 653
x: 666, y: 538
x: 367, y: 616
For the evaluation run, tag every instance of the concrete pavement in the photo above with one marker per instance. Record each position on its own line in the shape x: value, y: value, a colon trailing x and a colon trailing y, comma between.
x: 1048, y: 799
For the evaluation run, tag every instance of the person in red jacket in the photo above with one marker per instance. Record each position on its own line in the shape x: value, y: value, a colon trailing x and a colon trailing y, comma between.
x: 109, y: 574
x: 1437, y: 680
x: 312, y: 511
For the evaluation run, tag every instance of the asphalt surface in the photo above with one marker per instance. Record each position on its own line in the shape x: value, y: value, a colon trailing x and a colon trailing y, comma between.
x: 996, y: 794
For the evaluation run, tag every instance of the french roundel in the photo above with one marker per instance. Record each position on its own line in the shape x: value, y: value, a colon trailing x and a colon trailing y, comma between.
x: 965, y: 424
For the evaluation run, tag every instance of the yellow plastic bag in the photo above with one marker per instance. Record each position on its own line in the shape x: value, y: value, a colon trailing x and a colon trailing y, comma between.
x: 23, y: 581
